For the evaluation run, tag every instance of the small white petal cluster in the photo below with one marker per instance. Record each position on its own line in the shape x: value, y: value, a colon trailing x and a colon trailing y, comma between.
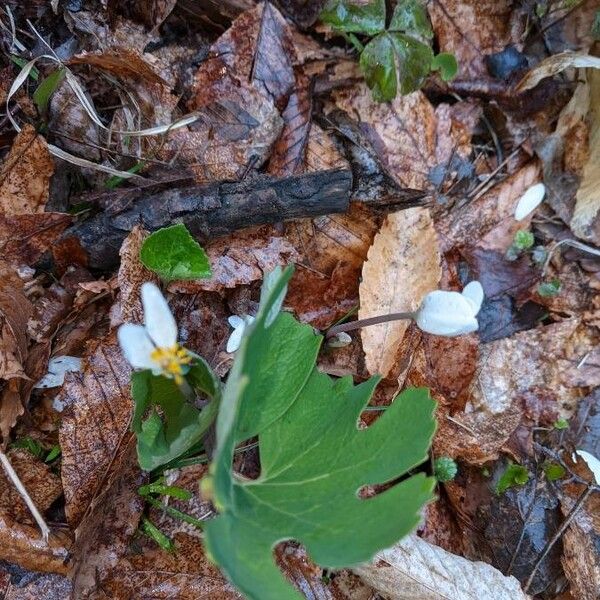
x: 154, y: 345
x: 450, y: 313
x: 239, y: 325
x: 530, y: 200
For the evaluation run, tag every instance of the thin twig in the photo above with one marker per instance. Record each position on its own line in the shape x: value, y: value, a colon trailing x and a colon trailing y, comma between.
x: 14, y: 478
x: 352, y: 325
x: 584, y: 496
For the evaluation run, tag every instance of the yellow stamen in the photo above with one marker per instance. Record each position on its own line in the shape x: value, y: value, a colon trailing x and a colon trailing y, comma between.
x: 172, y: 360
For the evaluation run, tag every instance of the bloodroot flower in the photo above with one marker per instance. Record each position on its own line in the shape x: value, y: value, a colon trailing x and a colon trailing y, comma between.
x: 154, y: 345
x: 450, y: 313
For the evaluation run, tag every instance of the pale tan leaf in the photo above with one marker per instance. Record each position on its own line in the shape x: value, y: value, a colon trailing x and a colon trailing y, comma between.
x: 403, y: 265
x: 25, y: 175
x: 416, y: 570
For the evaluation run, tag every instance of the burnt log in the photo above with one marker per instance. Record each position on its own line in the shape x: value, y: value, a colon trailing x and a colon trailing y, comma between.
x: 212, y: 209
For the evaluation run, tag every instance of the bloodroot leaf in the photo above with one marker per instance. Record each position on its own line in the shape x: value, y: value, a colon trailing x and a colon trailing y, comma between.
x: 314, y: 461
x: 414, y: 61
x: 446, y: 64
x: 411, y: 17
x: 173, y: 253
x: 378, y: 67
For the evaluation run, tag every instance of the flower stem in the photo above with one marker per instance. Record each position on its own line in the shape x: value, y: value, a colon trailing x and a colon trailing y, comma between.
x: 352, y: 325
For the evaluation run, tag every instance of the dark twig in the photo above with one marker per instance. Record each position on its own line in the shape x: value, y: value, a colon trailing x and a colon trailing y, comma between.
x: 352, y: 325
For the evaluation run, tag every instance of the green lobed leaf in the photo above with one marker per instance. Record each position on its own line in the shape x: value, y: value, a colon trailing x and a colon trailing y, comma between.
x: 378, y: 65
x: 414, y: 61
x: 410, y: 16
x: 513, y: 475
x: 173, y: 253
x: 314, y: 461
x: 163, y: 435
x: 355, y: 17
x: 446, y: 64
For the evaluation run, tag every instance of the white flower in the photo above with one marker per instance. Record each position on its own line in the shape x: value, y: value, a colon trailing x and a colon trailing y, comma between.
x: 339, y: 340
x: 58, y: 366
x: 530, y: 200
x: 450, y: 313
x: 154, y: 345
x: 592, y: 462
x: 239, y: 325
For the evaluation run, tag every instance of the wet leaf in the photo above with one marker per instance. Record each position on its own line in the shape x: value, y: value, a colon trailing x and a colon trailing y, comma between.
x: 411, y: 17
x: 355, y: 17
x: 446, y: 64
x: 173, y: 253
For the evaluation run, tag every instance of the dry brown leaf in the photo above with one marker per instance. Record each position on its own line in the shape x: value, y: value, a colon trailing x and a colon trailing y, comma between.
x: 416, y: 570
x: 132, y: 274
x: 103, y: 536
x: 470, y: 29
x: 402, y: 266
x: 23, y: 544
x: 240, y: 259
x: 95, y: 421
x: 546, y: 360
x: 489, y: 220
x: 35, y: 586
x: 41, y: 483
x: 24, y: 238
x: 410, y: 137
x: 25, y: 175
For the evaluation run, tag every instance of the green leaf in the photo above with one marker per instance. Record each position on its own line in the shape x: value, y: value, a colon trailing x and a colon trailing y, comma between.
x: 410, y: 16
x: 445, y: 469
x: 53, y: 454
x: 513, y: 475
x: 554, y: 471
x: 165, y: 490
x: 173, y: 253
x: 355, y: 17
x: 47, y: 87
x: 549, y: 289
x: 523, y: 240
x: 393, y: 56
x: 152, y: 531
x: 29, y: 444
x: 314, y: 460
x: 164, y: 436
x: 561, y: 423
x: 446, y: 64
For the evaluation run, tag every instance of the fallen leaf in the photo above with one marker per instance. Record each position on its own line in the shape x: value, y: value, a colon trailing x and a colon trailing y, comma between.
x: 25, y: 237
x: 95, y: 421
x: 25, y: 175
x: 26, y: 585
x: 416, y: 570
x: 149, y: 12
x: 240, y: 259
x: 402, y: 266
x: 41, y: 484
x: 471, y: 30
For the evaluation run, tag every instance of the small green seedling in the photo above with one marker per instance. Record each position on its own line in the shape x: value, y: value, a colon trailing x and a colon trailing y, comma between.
x: 445, y: 469
x: 512, y: 476
x: 561, y: 423
x: 154, y: 533
x: 395, y: 56
x: 553, y: 471
x: 549, y: 289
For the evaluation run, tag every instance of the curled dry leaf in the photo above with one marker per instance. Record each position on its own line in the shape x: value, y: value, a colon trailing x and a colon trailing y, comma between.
x: 416, y: 570
x: 95, y: 423
x: 240, y: 259
x: 545, y: 360
x: 402, y: 266
x: 25, y: 175
x: 471, y: 29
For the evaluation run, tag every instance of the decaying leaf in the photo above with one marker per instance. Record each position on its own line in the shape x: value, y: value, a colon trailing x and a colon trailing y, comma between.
x: 240, y: 259
x: 25, y: 175
x: 29, y: 585
x: 402, y: 266
x: 543, y: 360
x: 95, y: 422
x: 416, y: 570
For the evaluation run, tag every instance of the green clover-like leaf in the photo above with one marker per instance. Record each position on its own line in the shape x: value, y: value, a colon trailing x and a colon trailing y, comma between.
x: 314, y: 461
x: 446, y: 64
x: 173, y: 253
x: 354, y: 17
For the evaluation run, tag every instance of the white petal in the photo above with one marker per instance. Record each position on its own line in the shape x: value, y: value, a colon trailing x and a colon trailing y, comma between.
x: 235, y: 321
x: 447, y: 314
x: 339, y: 340
x: 474, y: 292
x: 530, y: 200
x: 57, y: 368
x: 158, y: 319
x: 592, y: 462
x: 235, y: 339
x: 136, y: 345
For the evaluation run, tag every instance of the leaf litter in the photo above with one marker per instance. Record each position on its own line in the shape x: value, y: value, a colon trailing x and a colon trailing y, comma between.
x: 255, y: 106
